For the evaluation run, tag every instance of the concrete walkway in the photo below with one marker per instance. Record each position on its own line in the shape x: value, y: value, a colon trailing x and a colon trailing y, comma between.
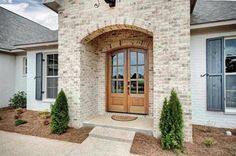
x: 13, y: 144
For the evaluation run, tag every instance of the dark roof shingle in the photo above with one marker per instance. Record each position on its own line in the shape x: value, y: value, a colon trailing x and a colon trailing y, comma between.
x: 206, y: 11
x: 15, y: 30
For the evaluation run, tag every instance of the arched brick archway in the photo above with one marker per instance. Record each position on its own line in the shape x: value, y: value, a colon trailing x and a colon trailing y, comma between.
x: 96, y: 29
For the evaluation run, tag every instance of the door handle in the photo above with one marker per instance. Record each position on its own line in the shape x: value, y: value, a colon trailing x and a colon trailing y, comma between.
x: 203, y: 75
x: 128, y: 87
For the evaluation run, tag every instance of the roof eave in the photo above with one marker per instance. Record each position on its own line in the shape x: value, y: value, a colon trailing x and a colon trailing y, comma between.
x: 192, y: 5
x: 53, y: 4
x: 213, y: 24
x: 35, y: 45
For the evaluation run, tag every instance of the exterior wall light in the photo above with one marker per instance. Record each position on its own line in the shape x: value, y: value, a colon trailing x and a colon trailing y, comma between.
x: 112, y: 3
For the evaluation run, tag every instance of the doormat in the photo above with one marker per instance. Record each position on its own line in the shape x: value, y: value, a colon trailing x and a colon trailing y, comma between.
x: 123, y: 118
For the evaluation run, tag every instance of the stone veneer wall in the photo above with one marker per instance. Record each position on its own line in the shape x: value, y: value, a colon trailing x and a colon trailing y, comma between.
x: 168, y: 21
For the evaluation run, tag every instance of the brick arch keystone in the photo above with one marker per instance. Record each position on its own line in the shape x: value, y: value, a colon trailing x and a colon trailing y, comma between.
x: 96, y: 29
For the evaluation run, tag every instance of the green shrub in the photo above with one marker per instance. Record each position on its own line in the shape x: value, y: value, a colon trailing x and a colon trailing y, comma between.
x: 171, y: 123
x: 59, y: 114
x: 20, y: 122
x: 209, y: 142
x: 18, y: 100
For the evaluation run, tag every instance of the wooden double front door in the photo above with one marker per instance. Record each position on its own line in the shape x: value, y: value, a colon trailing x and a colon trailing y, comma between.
x: 127, y: 85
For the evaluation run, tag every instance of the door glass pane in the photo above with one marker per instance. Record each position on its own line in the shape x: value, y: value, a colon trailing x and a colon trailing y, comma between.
x: 120, y: 87
x: 133, y: 87
x: 140, y: 58
x: 133, y: 58
x: 120, y: 58
x: 230, y: 53
x: 114, y: 72
x: 141, y: 72
x: 231, y: 91
x: 120, y: 72
x: 133, y: 70
x: 114, y: 60
x: 113, y: 87
x: 141, y: 86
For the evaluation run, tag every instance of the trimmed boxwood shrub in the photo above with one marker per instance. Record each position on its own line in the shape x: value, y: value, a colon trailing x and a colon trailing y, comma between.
x: 59, y: 114
x: 20, y: 122
x: 171, y: 123
x: 18, y: 100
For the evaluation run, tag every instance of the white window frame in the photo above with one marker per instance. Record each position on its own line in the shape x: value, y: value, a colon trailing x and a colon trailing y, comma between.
x: 25, y: 66
x: 46, y: 99
x: 228, y: 110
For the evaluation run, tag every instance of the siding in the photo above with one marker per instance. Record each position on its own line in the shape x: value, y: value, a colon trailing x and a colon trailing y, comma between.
x: 7, y: 78
x: 200, y: 115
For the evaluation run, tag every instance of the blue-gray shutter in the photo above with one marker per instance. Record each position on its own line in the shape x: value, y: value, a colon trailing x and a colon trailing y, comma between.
x: 215, y: 74
x: 39, y: 76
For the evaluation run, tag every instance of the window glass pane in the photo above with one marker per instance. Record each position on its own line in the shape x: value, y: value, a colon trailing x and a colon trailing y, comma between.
x: 231, y: 82
x: 50, y: 70
x: 114, y: 60
x: 133, y: 87
x: 230, y: 98
x: 55, y: 73
x: 55, y: 58
x: 114, y: 72
x: 49, y: 59
x: 140, y: 58
x: 120, y: 87
x: 231, y: 91
x: 230, y: 64
x: 120, y: 58
x: 141, y: 72
x: 230, y: 53
x: 133, y: 58
x: 24, y: 65
x: 120, y: 72
x: 141, y: 86
x: 113, y: 86
x: 133, y: 70
x: 52, y: 83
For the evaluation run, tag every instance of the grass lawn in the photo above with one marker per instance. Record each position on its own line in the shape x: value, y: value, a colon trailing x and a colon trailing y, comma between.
x: 35, y: 126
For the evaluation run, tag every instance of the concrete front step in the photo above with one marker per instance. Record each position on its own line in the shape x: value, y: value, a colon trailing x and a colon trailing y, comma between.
x: 112, y: 134
x: 141, y: 125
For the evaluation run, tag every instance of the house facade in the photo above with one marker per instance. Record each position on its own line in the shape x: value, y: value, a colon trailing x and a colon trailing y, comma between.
x: 128, y: 57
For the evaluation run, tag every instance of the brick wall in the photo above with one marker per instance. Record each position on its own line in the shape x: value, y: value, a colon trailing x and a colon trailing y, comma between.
x: 80, y: 24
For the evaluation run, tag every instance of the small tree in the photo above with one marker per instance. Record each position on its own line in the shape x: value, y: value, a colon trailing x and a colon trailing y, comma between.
x: 171, y: 123
x: 59, y: 114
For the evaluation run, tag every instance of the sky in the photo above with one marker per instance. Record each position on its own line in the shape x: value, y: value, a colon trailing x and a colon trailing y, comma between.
x: 33, y: 10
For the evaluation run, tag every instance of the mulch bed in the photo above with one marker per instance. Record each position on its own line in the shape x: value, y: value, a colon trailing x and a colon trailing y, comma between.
x: 35, y: 126
x: 225, y: 146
